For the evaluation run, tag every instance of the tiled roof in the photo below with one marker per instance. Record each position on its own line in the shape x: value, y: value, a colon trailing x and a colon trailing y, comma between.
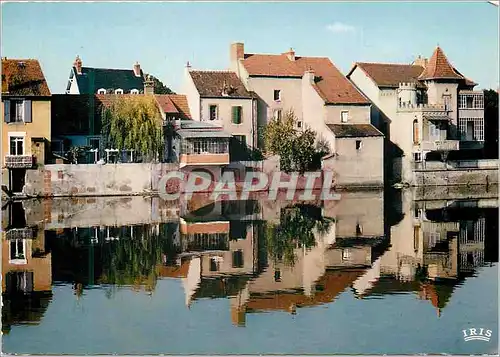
x: 389, y: 75
x: 23, y: 77
x: 211, y: 84
x: 439, y: 67
x: 354, y: 130
x: 174, y: 104
x: 93, y: 79
x: 330, y: 83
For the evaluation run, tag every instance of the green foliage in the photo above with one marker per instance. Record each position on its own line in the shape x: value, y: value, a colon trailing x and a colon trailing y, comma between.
x: 134, y: 123
x: 297, y: 149
x: 76, y: 153
x: 160, y: 88
x: 132, y: 261
x: 297, y: 228
x: 491, y: 124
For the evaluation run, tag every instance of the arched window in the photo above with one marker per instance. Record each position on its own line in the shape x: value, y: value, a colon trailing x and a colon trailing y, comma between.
x: 101, y: 91
x: 134, y: 91
x: 119, y: 91
x: 415, y: 131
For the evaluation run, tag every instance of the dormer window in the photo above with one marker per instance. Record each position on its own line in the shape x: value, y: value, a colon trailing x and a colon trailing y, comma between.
x: 134, y: 91
x: 101, y: 91
x: 119, y: 91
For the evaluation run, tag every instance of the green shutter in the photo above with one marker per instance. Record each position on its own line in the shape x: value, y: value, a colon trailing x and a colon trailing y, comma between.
x: 236, y: 115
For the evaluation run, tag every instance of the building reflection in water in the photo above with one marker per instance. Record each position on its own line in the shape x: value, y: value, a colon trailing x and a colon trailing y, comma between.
x: 263, y: 256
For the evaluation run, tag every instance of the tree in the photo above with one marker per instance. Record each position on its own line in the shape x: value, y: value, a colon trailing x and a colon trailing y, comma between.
x: 491, y: 123
x: 134, y: 123
x: 160, y: 88
x: 297, y: 149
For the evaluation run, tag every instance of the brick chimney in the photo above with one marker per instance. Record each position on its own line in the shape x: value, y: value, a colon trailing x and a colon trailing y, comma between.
x: 149, y: 85
x: 78, y: 65
x: 421, y: 61
x: 137, y: 69
x: 237, y: 51
x: 290, y: 54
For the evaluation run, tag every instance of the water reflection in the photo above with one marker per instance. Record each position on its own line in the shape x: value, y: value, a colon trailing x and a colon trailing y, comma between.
x: 261, y: 256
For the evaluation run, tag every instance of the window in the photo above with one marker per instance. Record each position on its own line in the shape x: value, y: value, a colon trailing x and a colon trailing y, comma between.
x: 277, y: 114
x: 344, y: 116
x: 214, y: 264
x: 236, y: 114
x: 16, y: 111
x: 299, y: 124
x: 238, y: 259
x: 415, y: 131
x: 277, y: 95
x: 359, y: 229
x: 346, y: 254
x: 417, y: 156
x: 17, y: 251
x: 277, y: 275
x: 16, y: 145
x: 358, y: 144
x: 447, y: 101
x: 134, y: 91
x: 101, y: 91
x: 119, y: 91
x: 471, y: 129
x: 213, y: 112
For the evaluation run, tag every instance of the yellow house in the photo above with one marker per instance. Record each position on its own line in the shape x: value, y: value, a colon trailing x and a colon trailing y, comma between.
x: 26, y: 120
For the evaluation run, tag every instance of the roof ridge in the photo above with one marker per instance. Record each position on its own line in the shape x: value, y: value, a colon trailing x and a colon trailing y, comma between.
x: 213, y: 71
x: 111, y: 69
x: 284, y: 54
x: 389, y: 64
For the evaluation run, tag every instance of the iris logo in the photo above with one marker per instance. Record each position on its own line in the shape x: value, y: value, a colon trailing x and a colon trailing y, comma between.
x: 477, y: 334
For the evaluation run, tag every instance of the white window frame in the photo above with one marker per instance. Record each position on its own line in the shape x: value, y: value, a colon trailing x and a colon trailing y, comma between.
x: 18, y: 261
x: 344, y: 119
x: 119, y: 91
x: 134, y: 91
x: 216, y: 112
x: 13, y: 105
x: 18, y: 134
x: 346, y: 254
x: 279, y: 95
x: 101, y: 91
x: 360, y: 145
x: 417, y: 156
x: 278, y: 114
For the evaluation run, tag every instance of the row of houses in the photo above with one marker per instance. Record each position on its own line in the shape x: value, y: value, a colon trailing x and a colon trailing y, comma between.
x: 401, y: 112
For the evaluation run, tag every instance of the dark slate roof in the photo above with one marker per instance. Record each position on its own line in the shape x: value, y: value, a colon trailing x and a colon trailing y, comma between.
x: 108, y: 79
x: 354, y: 130
x: 210, y: 84
x: 23, y: 77
x: 72, y: 114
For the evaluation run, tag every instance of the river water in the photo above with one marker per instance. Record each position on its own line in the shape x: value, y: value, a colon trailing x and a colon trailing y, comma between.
x: 373, y: 273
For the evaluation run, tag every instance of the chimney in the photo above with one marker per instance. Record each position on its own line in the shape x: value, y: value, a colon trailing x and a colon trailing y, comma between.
x: 237, y: 51
x: 137, y: 69
x: 291, y: 54
x: 78, y: 65
x: 309, y: 75
x: 421, y: 61
x: 149, y: 85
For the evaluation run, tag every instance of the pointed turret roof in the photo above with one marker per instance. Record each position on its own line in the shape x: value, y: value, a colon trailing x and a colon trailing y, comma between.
x: 439, y: 67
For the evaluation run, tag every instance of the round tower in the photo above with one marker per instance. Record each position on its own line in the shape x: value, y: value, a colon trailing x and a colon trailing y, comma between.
x: 407, y: 94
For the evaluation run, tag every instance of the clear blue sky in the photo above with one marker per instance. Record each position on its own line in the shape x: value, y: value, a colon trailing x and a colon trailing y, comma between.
x: 163, y: 36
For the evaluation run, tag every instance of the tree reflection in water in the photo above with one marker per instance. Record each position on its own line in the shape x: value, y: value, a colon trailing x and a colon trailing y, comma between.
x: 297, y: 227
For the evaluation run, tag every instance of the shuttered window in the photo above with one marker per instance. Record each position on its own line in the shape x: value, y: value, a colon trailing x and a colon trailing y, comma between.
x: 17, y: 111
x: 236, y: 114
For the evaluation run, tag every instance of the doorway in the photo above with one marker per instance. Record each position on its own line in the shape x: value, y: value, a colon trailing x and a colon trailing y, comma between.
x: 470, y: 131
x: 18, y: 177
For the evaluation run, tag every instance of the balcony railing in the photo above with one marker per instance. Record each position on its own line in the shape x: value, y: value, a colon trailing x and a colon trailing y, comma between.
x: 446, y: 145
x: 19, y: 161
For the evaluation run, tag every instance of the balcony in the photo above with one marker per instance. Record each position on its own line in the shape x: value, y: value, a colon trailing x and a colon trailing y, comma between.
x: 440, y: 145
x: 19, y: 161
x: 203, y: 159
